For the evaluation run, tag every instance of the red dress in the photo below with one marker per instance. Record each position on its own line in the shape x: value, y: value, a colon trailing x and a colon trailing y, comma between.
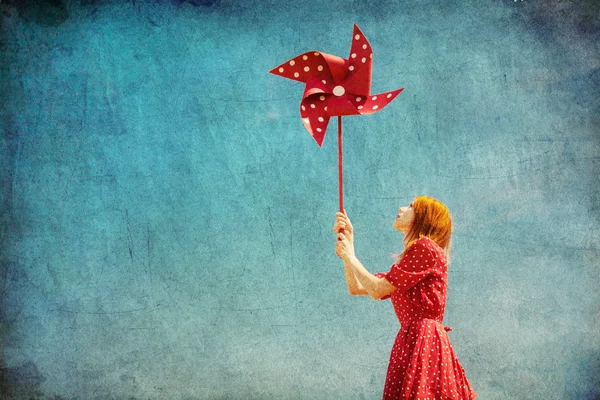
x: 422, y: 364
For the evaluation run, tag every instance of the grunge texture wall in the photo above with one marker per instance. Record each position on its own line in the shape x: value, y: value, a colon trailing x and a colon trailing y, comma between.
x: 166, y: 220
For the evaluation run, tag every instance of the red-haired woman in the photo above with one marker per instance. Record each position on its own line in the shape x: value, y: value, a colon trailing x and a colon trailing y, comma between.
x: 422, y: 364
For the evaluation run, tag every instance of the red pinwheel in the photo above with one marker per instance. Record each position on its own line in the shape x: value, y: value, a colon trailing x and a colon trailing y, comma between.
x: 335, y: 87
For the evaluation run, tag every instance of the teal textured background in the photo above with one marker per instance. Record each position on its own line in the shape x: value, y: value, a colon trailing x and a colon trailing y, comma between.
x: 167, y: 220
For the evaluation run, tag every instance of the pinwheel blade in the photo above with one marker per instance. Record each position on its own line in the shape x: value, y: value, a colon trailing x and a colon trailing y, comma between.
x: 313, y: 112
x: 312, y: 64
x: 358, y: 78
x: 373, y: 103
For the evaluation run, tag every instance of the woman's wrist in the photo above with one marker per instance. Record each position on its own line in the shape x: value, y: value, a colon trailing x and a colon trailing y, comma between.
x: 351, y: 260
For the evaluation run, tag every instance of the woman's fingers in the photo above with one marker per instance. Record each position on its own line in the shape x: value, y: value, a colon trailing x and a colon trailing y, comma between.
x: 342, y: 224
x: 342, y: 228
x: 339, y: 226
x: 342, y: 217
x: 341, y: 246
x: 339, y: 217
x: 338, y: 249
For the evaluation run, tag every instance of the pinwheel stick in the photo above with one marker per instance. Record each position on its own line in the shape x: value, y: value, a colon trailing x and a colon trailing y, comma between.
x: 340, y: 172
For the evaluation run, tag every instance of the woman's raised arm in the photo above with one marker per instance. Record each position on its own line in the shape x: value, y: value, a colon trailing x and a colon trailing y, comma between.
x: 360, y: 281
x: 343, y: 224
x: 374, y: 286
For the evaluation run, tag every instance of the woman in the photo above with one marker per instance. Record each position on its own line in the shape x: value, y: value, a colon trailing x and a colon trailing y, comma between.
x: 422, y: 364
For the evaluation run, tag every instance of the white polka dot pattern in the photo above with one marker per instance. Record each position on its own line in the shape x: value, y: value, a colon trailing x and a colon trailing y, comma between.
x: 422, y: 364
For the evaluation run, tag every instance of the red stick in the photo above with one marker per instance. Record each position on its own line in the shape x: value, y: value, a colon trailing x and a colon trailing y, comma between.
x: 340, y: 173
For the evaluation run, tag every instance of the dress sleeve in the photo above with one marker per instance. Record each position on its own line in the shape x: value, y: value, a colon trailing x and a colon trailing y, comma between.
x: 414, y: 266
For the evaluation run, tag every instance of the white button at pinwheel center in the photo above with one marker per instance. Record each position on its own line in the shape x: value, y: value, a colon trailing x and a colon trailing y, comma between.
x: 339, y: 91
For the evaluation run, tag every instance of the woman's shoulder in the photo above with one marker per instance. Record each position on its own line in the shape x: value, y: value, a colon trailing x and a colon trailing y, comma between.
x: 419, y: 245
x: 430, y: 246
x: 426, y: 243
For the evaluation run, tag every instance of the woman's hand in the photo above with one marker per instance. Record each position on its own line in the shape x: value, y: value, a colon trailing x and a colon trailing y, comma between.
x: 343, y: 225
x: 344, y: 248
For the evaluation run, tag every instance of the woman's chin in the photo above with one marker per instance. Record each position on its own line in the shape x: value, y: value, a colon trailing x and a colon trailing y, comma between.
x: 399, y: 228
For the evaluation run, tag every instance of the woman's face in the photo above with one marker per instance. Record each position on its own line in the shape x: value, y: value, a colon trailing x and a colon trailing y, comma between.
x: 404, y: 218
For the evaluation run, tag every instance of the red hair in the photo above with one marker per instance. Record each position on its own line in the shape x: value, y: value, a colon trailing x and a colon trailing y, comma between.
x: 433, y: 220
